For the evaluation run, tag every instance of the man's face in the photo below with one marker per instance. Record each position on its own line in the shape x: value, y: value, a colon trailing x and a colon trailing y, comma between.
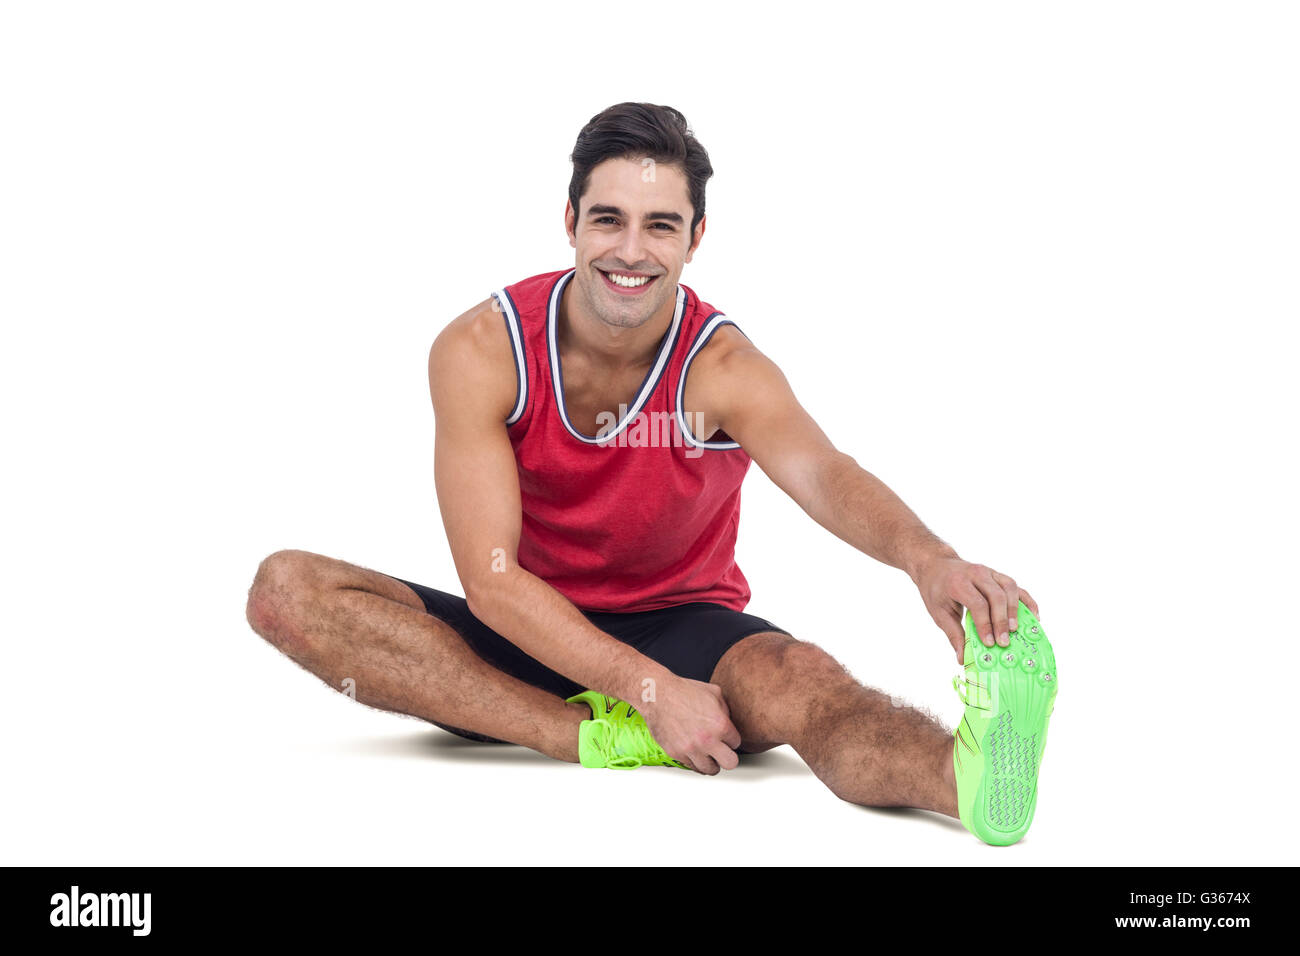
x: 635, y: 224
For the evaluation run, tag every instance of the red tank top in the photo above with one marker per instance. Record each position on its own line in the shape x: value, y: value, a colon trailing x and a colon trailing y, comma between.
x: 645, y: 516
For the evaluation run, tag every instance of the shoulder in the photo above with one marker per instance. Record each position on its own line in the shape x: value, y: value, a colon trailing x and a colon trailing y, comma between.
x: 729, y: 382
x: 473, y: 355
x: 729, y: 360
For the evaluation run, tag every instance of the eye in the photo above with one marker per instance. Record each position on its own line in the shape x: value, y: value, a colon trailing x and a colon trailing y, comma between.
x: 605, y: 219
x: 665, y: 225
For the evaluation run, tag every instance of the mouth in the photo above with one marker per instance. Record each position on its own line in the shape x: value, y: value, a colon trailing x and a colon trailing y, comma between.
x: 627, y: 283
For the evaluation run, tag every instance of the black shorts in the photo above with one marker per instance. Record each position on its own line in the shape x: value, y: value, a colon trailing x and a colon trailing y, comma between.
x: 688, y: 639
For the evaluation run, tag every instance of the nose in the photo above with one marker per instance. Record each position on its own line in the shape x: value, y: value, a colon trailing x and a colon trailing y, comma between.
x: 631, y: 248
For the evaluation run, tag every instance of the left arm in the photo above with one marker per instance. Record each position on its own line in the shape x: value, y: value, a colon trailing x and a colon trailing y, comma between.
x: 744, y: 393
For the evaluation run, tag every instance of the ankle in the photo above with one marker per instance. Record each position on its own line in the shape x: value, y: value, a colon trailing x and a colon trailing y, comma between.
x: 565, y: 746
x: 948, y: 776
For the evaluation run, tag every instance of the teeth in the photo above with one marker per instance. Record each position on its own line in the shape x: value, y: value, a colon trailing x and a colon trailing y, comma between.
x: 626, y: 281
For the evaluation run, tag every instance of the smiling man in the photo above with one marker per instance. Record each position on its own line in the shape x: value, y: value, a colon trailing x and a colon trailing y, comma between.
x: 594, y: 426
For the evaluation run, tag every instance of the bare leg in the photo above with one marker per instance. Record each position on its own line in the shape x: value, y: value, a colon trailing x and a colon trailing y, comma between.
x: 340, y: 621
x: 860, y: 743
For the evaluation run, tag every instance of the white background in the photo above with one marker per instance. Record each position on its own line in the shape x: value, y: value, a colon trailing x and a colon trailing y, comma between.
x: 1033, y: 264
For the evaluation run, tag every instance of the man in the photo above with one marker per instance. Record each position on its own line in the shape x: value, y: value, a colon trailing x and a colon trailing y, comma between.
x: 594, y: 426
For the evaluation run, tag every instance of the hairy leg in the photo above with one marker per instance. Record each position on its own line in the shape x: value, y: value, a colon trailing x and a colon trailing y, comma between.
x: 859, y: 742
x: 341, y: 621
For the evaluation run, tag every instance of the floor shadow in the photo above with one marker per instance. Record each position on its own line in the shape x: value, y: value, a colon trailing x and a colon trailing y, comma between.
x: 777, y: 762
x: 443, y: 745
x: 924, y: 816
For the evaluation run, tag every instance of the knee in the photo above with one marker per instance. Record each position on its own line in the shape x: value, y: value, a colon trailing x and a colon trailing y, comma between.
x: 775, y: 684
x: 276, y: 595
x: 769, y: 663
x: 802, y: 684
x: 802, y: 662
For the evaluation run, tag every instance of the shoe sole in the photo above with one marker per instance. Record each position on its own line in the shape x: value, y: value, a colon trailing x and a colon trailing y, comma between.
x: 1005, y: 729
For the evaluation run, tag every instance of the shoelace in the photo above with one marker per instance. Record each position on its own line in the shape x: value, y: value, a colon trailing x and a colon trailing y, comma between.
x: 629, y: 745
x: 981, y: 692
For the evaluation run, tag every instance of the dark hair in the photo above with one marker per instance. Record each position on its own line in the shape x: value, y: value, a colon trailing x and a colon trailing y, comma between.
x: 632, y: 130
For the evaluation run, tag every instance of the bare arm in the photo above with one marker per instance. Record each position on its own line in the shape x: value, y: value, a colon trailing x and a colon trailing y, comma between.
x: 473, y: 391
x: 744, y: 393
x: 472, y: 382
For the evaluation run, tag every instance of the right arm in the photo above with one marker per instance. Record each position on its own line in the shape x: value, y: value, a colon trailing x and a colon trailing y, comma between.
x: 472, y: 382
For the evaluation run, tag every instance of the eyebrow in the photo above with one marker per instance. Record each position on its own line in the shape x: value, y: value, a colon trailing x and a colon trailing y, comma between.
x: 599, y: 210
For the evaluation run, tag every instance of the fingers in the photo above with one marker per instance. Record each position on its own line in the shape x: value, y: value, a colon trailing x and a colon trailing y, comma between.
x: 719, y: 752
x: 993, y: 599
x: 732, y: 736
x: 702, y: 762
x: 1001, y: 604
x: 949, y: 621
x: 705, y: 765
x: 713, y: 760
x: 978, y: 606
x: 723, y: 749
x: 724, y: 758
x: 701, y: 735
x: 997, y: 599
x: 1010, y: 599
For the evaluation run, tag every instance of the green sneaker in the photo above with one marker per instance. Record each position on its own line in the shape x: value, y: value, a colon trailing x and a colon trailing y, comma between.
x: 617, y: 737
x: 998, y: 746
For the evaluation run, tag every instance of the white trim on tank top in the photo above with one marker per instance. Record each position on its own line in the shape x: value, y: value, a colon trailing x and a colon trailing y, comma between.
x: 714, y: 323
x: 666, y: 349
x: 517, y: 348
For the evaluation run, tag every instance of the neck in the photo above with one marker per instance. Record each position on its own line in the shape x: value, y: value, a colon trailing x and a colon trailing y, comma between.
x: 580, y: 328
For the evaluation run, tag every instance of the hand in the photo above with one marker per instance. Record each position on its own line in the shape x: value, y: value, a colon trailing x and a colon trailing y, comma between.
x: 947, y: 584
x: 690, y: 720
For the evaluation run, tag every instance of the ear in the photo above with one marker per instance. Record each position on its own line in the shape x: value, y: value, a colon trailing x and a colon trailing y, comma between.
x: 571, y: 223
x: 699, y: 234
